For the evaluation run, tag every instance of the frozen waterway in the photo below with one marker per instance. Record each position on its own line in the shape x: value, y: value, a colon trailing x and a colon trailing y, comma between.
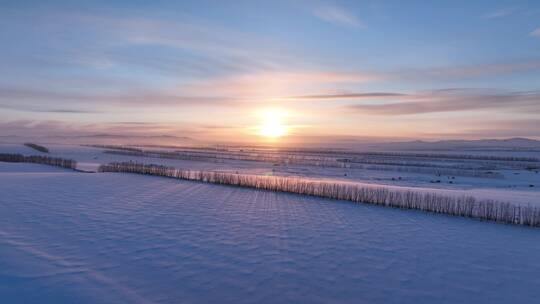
x: 68, y: 237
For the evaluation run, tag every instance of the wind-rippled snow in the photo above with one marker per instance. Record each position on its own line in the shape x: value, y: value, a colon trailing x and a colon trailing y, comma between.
x: 68, y: 237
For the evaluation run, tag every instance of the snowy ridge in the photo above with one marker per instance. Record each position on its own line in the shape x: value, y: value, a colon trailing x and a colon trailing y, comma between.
x: 464, y: 206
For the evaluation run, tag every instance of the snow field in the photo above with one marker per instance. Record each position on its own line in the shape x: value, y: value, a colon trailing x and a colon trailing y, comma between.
x: 408, y: 199
x: 119, y: 238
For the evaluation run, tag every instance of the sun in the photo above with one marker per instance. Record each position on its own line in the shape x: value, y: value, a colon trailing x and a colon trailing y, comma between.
x: 272, y: 125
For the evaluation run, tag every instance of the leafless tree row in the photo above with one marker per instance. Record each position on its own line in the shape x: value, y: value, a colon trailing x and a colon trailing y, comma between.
x: 407, y: 199
x: 459, y: 165
x: 298, y: 160
x: 464, y: 163
x: 452, y: 156
x: 37, y: 147
x: 415, y: 163
x: 429, y: 170
x: 38, y: 159
x: 117, y: 147
x: 319, y: 163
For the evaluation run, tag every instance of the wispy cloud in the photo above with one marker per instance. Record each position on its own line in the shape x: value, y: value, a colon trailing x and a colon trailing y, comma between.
x: 128, y: 132
x: 454, y: 100
x: 41, y: 109
x: 499, y: 13
x: 42, y: 100
x: 222, y: 91
x: 536, y: 32
x: 274, y: 84
x: 235, y: 89
x: 369, y: 95
x: 50, y: 128
x: 233, y: 48
x: 181, y: 47
x: 471, y: 71
x: 337, y: 16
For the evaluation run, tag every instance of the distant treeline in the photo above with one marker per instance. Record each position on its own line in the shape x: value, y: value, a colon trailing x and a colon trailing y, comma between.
x: 38, y: 159
x: 117, y: 147
x: 423, y: 163
x: 217, y: 156
x: 452, y: 156
x: 478, y: 163
x: 37, y: 147
x: 413, y: 163
x: 330, y: 153
x: 430, y: 170
x: 408, y: 199
x: 310, y: 160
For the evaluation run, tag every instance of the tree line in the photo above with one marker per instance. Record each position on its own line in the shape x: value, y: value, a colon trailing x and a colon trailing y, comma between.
x: 38, y: 159
x: 465, y: 206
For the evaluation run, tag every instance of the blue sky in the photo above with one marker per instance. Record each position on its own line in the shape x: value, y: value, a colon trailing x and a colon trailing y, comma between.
x: 212, y: 69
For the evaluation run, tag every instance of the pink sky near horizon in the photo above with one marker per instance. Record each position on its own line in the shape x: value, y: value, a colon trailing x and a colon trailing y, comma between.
x: 334, y: 70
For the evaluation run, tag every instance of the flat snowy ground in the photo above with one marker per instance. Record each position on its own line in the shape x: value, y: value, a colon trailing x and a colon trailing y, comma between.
x: 68, y: 237
x: 513, y: 188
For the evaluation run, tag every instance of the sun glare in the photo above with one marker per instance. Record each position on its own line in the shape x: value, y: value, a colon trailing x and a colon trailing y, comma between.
x: 272, y: 125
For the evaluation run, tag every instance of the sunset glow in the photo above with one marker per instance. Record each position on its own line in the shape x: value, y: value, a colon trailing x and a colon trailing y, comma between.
x: 197, y: 71
x: 272, y: 125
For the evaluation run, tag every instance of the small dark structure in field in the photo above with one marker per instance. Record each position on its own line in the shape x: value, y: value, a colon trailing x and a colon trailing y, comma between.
x: 37, y: 147
x: 38, y: 159
x: 407, y: 199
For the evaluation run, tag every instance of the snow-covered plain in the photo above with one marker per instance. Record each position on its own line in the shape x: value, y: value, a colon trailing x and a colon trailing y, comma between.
x: 513, y: 187
x: 71, y: 237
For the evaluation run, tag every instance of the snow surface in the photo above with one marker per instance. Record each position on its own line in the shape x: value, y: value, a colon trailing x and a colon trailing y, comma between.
x: 514, y: 187
x: 71, y: 237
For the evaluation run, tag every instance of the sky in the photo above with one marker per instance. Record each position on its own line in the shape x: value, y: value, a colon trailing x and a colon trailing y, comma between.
x: 256, y: 71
